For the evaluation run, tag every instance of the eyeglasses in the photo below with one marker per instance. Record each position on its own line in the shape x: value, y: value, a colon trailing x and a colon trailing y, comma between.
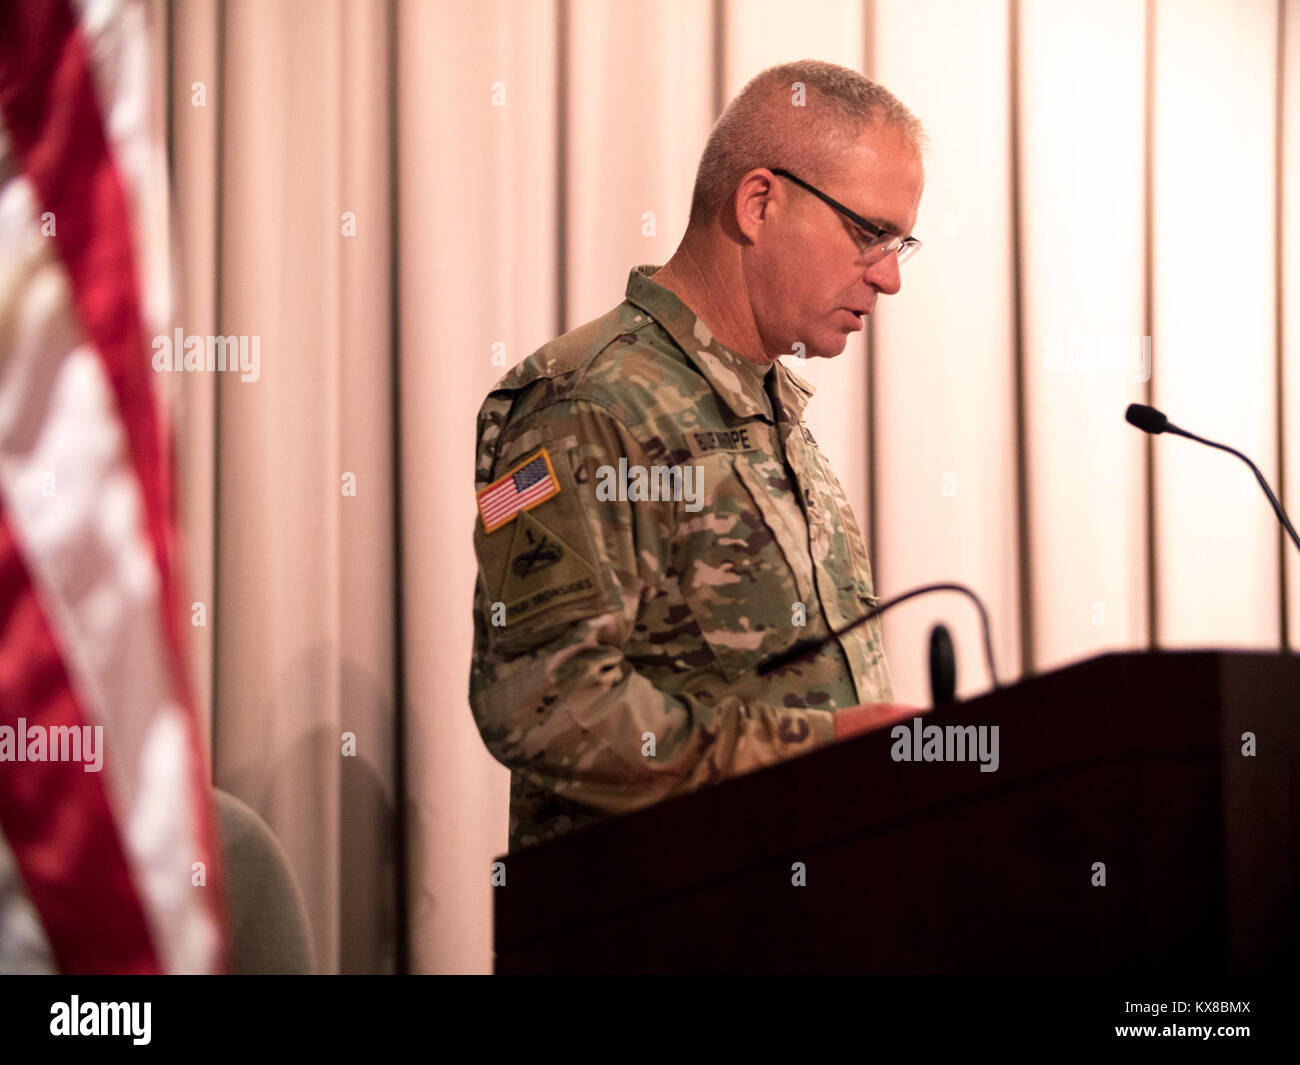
x: 879, y: 243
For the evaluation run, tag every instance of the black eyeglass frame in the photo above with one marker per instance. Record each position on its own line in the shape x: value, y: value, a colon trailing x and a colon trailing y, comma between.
x: 905, y: 246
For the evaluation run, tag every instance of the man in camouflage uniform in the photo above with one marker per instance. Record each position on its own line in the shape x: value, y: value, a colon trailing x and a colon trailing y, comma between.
x: 654, y: 517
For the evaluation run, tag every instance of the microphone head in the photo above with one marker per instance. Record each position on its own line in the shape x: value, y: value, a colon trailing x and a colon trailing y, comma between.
x: 1148, y: 419
x: 943, y: 667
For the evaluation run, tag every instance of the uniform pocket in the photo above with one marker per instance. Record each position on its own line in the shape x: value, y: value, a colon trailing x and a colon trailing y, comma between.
x: 744, y: 563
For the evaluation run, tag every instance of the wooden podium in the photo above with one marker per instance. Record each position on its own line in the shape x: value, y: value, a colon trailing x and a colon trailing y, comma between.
x: 1134, y: 761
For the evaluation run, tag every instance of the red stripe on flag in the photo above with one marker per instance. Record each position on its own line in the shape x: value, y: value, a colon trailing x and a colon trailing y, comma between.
x: 55, y: 816
x: 51, y: 115
x: 519, y: 502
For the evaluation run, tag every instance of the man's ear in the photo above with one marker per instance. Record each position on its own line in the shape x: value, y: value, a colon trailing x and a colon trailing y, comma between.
x: 753, y: 199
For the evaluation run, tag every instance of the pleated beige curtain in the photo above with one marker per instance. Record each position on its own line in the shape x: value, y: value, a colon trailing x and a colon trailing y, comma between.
x: 282, y: 151
x: 400, y: 200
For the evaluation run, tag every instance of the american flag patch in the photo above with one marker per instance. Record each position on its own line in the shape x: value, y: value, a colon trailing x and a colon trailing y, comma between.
x: 531, y: 482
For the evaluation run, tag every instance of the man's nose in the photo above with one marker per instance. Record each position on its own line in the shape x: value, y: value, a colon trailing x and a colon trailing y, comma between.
x: 885, y: 274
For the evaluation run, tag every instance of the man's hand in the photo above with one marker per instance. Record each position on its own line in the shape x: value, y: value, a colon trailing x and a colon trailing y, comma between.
x: 868, y: 716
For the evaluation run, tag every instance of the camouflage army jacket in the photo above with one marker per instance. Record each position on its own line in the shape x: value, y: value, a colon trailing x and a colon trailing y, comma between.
x: 655, y: 520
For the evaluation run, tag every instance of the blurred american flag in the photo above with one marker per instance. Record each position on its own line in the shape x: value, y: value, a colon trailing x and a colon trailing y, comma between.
x: 116, y: 870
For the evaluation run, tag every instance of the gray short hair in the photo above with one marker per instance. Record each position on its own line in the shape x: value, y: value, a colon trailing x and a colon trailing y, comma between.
x: 763, y: 127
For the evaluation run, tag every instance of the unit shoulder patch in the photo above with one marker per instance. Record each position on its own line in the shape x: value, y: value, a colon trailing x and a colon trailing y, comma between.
x: 542, y: 571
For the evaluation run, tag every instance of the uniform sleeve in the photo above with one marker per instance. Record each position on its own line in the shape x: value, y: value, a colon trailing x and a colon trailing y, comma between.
x: 557, y: 597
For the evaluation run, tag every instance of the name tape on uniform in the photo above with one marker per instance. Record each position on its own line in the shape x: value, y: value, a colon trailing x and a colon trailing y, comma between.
x: 703, y: 441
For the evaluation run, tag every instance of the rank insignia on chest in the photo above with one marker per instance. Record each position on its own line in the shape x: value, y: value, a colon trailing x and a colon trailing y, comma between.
x: 532, y: 482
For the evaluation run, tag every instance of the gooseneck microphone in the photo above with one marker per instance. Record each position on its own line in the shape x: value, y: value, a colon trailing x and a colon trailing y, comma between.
x: 1152, y: 421
x: 811, y: 646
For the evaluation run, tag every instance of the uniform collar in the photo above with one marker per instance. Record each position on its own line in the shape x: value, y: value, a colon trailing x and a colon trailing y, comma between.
x: 736, y: 379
